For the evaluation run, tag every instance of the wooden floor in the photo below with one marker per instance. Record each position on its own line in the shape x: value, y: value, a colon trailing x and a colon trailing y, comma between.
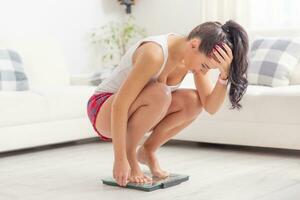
x: 217, y: 172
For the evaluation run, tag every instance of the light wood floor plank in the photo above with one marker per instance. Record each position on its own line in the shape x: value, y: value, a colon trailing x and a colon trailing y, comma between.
x: 216, y: 172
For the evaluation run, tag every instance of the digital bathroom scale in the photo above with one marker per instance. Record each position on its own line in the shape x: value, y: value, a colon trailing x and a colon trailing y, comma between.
x: 172, y: 180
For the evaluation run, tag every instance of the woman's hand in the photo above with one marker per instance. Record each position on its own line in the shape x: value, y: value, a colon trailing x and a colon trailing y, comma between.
x: 223, y: 61
x: 203, y: 69
x: 121, y: 171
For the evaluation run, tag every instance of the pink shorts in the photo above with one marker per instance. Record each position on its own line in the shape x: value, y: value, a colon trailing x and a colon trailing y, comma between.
x: 93, y: 107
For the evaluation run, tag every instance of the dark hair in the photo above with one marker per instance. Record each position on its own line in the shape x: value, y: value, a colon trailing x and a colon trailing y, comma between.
x: 234, y: 35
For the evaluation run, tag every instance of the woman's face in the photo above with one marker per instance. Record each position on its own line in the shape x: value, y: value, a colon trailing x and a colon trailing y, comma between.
x: 195, y: 60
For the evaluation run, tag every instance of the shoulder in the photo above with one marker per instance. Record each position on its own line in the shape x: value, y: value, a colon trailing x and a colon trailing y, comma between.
x: 148, y: 61
x: 149, y: 51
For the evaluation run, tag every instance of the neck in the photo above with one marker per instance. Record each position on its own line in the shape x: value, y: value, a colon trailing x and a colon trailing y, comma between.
x: 177, y: 48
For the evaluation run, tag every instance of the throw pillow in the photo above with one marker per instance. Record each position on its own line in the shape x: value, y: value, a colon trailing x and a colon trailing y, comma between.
x: 272, y: 60
x: 12, y: 75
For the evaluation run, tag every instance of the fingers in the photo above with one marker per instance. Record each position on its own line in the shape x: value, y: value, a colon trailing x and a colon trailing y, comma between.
x: 204, y: 67
x: 213, y: 62
x: 121, y: 180
x: 219, y: 57
x: 207, y: 67
x: 223, y: 53
x: 124, y: 180
x: 118, y: 180
x: 228, y: 50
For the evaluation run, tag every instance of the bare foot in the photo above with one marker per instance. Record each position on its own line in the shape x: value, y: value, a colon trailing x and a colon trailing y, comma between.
x: 136, y: 174
x: 147, y: 158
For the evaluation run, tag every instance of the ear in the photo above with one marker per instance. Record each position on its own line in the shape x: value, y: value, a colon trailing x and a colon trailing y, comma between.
x: 195, y: 42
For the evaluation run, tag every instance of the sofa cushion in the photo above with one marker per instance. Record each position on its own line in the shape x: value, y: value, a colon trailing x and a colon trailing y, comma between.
x: 12, y: 75
x: 65, y: 102
x: 272, y: 60
x: 42, y: 104
x: 265, y: 105
x: 18, y: 108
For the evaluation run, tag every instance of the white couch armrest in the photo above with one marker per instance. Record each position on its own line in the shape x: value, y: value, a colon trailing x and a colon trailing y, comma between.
x: 81, y: 79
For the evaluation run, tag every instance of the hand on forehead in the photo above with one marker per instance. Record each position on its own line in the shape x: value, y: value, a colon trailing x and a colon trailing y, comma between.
x: 215, y: 48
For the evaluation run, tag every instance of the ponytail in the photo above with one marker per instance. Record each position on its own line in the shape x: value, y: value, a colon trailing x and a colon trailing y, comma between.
x: 238, y: 37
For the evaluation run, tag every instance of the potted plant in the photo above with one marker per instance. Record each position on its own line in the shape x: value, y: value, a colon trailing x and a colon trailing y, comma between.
x: 111, y: 42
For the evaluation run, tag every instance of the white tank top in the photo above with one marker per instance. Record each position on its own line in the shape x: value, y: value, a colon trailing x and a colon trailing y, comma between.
x: 113, y: 82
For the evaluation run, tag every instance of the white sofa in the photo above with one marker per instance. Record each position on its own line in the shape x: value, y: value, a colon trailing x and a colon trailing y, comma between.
x: 53, y: 110
x: 270, y: 117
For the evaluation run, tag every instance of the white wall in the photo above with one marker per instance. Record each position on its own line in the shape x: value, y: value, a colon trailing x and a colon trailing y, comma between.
x: 181, y: 16
x: 68, y: 21
x: 161, y: 16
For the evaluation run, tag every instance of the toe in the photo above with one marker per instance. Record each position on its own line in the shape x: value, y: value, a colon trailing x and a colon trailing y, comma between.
x: 144, y: 180
x: 165, y: 174
x: 137, y: 180
x: 161, y: 174
x: 134, y: 179
x: 147, y: 177
x: 141, y: 180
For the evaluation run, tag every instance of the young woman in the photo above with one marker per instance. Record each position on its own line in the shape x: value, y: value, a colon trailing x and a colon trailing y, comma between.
x: 141, y: 94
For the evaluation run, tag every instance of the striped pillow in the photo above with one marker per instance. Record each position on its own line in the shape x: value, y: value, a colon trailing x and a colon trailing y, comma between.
x: 272, y: 60
x: 12, y: 75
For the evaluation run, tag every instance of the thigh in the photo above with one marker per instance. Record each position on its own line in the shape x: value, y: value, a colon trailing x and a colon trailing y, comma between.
x: 103, y: 118
x: 185, y: 100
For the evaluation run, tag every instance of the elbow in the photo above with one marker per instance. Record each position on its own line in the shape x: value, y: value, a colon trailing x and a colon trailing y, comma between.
x: 206, y: 108
x: 210, y: 111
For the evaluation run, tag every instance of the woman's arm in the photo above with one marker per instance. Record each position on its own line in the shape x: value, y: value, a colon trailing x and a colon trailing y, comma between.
x: 204, y: 86
x: 216, y: 98
x: 147, y: 63
x: 224, y: 59
x: 212, y: 99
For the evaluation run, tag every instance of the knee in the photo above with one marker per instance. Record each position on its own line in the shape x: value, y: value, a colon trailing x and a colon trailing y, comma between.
x: 192, y: 104
x: 161, y: 96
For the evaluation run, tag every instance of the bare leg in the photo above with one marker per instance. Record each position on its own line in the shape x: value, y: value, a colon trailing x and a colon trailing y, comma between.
x: 170, y: 125
x: 145, y: 116
x: 140, y: 122
x: 146, y: 153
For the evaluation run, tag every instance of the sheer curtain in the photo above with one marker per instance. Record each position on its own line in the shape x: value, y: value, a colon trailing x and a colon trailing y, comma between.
x: 218, y: 10
x: 255, y: 15
x: 277, y: 14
